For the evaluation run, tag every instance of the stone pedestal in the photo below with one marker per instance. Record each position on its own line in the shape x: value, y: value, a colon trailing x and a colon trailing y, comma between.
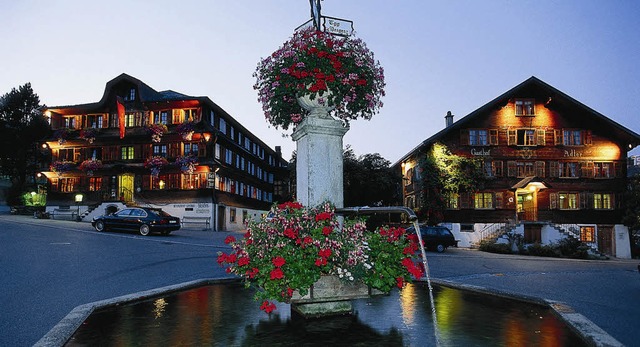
x: 319, y: 165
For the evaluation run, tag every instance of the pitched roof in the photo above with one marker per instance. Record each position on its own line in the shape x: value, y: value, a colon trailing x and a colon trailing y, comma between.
x: 556, y: 99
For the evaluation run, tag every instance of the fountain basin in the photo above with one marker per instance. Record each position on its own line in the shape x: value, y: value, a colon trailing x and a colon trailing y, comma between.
x: 223, y: 313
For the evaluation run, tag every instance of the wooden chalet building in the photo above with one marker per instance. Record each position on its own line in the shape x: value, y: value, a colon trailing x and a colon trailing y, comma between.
x: 138, y: 146
x: 553, y: 166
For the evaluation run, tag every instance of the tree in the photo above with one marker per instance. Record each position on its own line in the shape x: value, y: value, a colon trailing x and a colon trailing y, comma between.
x: 22, y: 125
x: 631, y: 216
x: 443, y: 174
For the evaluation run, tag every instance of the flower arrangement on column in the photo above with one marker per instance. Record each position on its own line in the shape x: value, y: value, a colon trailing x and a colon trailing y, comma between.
x: 62, y: 166
x: 311, y: 64
x: 186, y: 130
x: 88, y: 134
x: 155, y: 164
x: 157, y: 131
x: 187, y: 163
x: 294, y: 246
x: 90, y: 165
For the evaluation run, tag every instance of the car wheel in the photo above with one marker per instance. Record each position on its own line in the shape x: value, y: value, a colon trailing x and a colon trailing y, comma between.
x: 144, y: 230
x: 440, y: 248
x: 100, y: 226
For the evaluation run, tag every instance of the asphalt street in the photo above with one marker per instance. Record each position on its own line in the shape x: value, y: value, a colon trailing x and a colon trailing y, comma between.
x: 49, y: 267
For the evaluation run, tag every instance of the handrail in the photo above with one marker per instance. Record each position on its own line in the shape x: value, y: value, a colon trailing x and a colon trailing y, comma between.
x: 383, y: 209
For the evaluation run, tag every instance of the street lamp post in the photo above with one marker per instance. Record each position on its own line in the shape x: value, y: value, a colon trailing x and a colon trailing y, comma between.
x: 78, y: 201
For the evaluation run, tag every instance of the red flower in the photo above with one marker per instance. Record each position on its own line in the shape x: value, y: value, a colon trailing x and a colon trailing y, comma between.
x: 361, y: 82
x: 242, y: 261
x: 321, y: 261
x: 267, y: 307
x: 276, y: 274
x: 222, y: 258
x: 323, y: 216
x: 229, y: 239
x: 253, y: 272
x: 278, y: 261
x: 326, y: 230
x: 400, y: 282
x: 290, y: 233
x: 325, y: 253
x: 307, y: 240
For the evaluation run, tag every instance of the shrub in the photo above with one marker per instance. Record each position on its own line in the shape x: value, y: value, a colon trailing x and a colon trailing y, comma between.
x: 539, y: 250
x: 492, y: 247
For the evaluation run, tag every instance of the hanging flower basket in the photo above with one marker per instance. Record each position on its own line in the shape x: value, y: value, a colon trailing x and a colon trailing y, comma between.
x: 61, y: 167
x: 88, y: 134
x: 286, y: 253
x: 156, y: 131
x: 90, y: 165
x: 187, y: 163
x: 186, y: 130
x: 311, y: 63
x: 155, y: 164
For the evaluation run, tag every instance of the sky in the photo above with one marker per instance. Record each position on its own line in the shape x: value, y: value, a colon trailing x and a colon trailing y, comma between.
x: 438, y: 56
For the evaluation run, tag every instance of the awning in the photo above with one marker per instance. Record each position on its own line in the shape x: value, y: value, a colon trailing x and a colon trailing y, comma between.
x: 533, y: 181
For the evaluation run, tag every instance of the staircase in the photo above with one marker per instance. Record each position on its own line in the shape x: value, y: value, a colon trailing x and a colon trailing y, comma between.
x: 573, y: 231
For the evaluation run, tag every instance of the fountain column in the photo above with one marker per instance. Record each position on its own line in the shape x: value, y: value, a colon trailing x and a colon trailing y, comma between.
x: 319, y: 163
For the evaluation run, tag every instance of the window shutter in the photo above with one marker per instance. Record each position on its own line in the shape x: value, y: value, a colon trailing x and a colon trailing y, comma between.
x: 557, y: 135
x: 177, y: 116
x: 588, y: 140
x: 464, y: 137
x: 540, y: 134
x: 511, y: 169
x: 499, y: 200
x: 512, y: 137
x: 554, y: 170
x: 493, y: 137
x: 553, y: 201
x: 587, y: 169
x: 586, y: 200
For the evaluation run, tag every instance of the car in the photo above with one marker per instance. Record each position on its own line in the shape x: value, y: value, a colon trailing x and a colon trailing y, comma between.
x: 144, y: 220
x: 436, y: 238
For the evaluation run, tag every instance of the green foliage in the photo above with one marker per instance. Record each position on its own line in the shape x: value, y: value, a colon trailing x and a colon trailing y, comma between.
x: 368, y: 180
x: 573, y: 248
x: 443, y: 174
x: 631, y: 216
x: 539, y: 250
x: 22, y: 125
x: 492, y: 246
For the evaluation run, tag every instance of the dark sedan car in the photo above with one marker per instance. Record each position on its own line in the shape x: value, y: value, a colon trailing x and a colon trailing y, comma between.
x: 141, y: 219
x: 436, y: 238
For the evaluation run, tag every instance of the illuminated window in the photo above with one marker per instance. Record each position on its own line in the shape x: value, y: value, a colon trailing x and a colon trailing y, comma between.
x: 95, y: 184
x: 588, y: 234
x: 127, y: 153
x: 452, y: 202
x: 129, y: 120
x: 67, y: 185
x: 132, y: 95
x: 525, y: 108
x: 602, y: 201
x: 70, y: 122
x: 161, y: 117
x: 568, y: 201
x: 483, y: 200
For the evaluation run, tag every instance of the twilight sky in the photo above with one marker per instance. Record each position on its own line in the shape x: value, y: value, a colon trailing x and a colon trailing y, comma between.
x: 438, y: 55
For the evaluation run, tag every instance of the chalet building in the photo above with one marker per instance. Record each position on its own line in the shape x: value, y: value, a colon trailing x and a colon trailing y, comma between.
x: 553, y: 167
x: 138, y: 146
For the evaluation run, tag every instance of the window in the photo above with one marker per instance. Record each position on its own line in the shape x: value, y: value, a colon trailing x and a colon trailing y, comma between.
x: 525, y: 169
x: 160, y: 150
x: 217, y: 154
x: 132, y: 95
x: 232, y: 133
x: 223, y: 126
x: 129, y: 120
x: 483, y: 200
x: 525, y: 107
x: 95, y: 184
x: 526, y: 137
x: 572, y: 137
x: 190, y: 115
x: 94, y: 121
x: 127, y: 153
x: 493, y: 168
x: 568, y: 170
x: 602, y: 201
x: 540, y: 168
x: 192, y: 149
x: 588, y: 234
x: 67, y: 185
x: 194, y: 181
x: 228, y: 156
x: 602, y: 170
x: 452, y: 201
x: 70, y: 122
x: 568, y: 201
x: 161, y: 117
x: 478, y: 137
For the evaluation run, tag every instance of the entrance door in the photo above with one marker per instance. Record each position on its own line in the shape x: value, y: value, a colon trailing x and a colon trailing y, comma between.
x: 125, y: 187
x: 222, y: 221
x: 527, y: 210
x: 605, y: 237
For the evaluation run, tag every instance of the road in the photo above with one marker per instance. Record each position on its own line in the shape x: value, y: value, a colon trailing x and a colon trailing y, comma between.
x: 48, y: 267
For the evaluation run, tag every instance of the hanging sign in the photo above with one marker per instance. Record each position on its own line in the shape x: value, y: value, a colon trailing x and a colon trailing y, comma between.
x: 337, y: 26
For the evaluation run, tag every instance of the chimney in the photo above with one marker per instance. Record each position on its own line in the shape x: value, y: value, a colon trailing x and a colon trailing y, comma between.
x: 448, y: 119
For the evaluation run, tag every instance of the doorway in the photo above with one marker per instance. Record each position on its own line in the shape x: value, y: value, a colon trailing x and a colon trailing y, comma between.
x: 527, y: 205
x: 222, y: 220
x: 605, y: 239
x: 125, y: 187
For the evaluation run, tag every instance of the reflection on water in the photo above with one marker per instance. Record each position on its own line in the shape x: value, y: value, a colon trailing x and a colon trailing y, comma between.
x: 226, y: 315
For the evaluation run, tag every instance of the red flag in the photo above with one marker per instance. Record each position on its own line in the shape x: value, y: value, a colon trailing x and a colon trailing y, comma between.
x: 121, y: 119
